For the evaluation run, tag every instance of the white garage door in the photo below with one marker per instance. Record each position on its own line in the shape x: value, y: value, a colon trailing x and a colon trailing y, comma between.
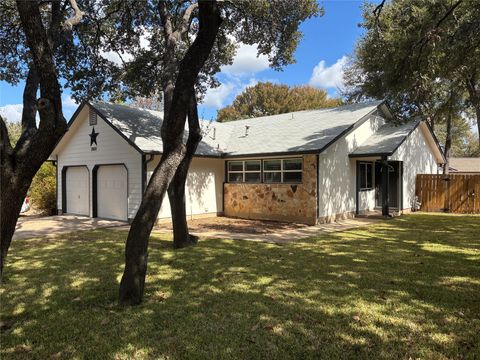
x: 77, y: 190
x: 112, y: 191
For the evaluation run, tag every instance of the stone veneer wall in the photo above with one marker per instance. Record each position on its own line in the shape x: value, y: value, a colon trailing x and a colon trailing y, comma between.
x: 281, y: 202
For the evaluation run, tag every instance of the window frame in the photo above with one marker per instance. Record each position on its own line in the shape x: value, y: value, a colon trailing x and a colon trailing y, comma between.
x: 365, y: 165
x: 244, y: 171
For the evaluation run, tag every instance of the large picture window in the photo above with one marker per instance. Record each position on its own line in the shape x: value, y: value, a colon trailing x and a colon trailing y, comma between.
x: 365, y: 174
x: 274, y: 171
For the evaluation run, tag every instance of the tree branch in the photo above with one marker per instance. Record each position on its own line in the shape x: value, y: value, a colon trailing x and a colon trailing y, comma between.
x: 29, y: 111
x: 426, y: 38
x: 75, y: 19
x: 377, y: 11
x: 186, y: 18
x: 165, y: 18
x: 5, y: 146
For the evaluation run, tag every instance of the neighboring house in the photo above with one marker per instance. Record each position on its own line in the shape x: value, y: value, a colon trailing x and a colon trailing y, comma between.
x: 465, y: 165
x: 306, y: 166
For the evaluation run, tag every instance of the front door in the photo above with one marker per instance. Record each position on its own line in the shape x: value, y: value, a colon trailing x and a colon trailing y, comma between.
x: 394, y: 182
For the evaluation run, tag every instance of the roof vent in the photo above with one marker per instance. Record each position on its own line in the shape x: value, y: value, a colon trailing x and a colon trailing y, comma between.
x: 92, y: 116
x: 246, y: 129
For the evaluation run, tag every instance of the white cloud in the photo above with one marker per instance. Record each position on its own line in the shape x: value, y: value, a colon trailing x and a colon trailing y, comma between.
x: 12, y: 112
x: 115, y: 57
x: 67, y: 101
x: 237, y: 77
x: 246, y: 62
x: 327, y: 77
x: 215, y: 97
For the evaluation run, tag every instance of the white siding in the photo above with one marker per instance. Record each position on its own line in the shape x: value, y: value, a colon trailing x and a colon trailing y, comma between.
x: 204, y: 187
x: 417, y: 158
x: 74, y: 149
x: 337, y: 172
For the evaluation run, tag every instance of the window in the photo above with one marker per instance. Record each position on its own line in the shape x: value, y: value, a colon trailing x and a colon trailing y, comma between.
x: 92, y: 117
x: 244, y: 171
x: 274, y: 171
x: 365, y: 174
x: 282, y: 171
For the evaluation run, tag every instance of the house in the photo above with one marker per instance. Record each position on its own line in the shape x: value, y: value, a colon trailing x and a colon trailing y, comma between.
x: 464, y: 165
x: 307, y: 166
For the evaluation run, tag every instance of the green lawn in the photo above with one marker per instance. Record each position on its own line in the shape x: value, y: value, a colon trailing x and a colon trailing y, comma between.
x: 404, y: 288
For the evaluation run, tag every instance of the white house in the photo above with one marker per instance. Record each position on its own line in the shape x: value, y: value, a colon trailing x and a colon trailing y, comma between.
x: 306, y: 166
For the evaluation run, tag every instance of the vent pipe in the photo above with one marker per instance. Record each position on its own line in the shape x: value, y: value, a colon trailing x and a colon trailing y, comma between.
x: 246, y: 129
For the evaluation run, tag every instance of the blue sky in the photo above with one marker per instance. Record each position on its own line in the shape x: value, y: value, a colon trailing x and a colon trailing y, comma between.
x: 319, y: 58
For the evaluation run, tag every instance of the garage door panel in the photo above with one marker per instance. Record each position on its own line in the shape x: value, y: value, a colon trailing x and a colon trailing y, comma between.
x: 112, y: 192
x: 77, y: 190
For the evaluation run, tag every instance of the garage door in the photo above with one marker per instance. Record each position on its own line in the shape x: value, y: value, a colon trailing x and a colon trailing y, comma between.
x: 77, y: 190
x: 112, y: 192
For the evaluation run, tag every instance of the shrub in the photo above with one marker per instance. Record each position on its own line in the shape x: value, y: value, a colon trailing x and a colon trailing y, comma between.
x: 43, y: 189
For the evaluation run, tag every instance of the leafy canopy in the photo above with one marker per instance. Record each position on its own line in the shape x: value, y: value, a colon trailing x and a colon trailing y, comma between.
x: 273, y: 26
x: 419, y: 55
x: 266, y: 98
x: 120, y: 47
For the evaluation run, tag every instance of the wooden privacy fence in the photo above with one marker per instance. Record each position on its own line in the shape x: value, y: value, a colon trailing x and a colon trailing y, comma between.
x: 454, y: 193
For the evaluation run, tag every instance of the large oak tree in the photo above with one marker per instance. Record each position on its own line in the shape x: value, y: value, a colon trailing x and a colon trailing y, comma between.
x: 169, y: 27
x: 423, y: 57
x: 33, y: 35
x: 46, y: 43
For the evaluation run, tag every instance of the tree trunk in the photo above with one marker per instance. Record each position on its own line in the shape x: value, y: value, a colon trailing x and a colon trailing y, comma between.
x: 448, y: 144
x: 477, y: 113
x: 176, y: 191
x: 474, y: 96
x: 13, y: 189
x: 136, y: 251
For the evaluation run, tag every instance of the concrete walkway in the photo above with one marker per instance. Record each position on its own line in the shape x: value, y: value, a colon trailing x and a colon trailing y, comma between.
x: 288, y: 235
x: 33, y: 226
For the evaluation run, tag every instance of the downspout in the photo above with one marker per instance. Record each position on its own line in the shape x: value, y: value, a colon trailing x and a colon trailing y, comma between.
x: 385, y: 207
x: 357, y: 188
x: 318, y: 187
x: 55, y: 163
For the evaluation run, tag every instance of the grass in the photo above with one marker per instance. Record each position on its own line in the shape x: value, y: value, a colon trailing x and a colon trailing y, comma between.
x: 400, y: 289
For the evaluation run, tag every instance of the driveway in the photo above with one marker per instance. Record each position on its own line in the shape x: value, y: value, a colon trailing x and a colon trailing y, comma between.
x: 32, y: 226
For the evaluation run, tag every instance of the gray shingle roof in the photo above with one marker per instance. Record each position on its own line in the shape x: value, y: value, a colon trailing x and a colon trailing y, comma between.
x: 467, y: 165
x: 142, y: 127
x: 386, y: 140
x: 302, y: 131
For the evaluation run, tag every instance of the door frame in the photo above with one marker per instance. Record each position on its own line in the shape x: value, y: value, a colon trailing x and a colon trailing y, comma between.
x: 378, y: 185
x: 95, y: 186
x: 64, y: 188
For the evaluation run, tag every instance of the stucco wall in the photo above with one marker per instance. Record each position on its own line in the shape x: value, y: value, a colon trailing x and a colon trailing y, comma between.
x: 337, y: 174
x: 203, y: 190
x: 74, y: 149
x: 417, y: 158
x: 287, y: 202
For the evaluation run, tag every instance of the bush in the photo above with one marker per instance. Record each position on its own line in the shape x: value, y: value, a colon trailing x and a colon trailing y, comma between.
x: 43, y: 189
